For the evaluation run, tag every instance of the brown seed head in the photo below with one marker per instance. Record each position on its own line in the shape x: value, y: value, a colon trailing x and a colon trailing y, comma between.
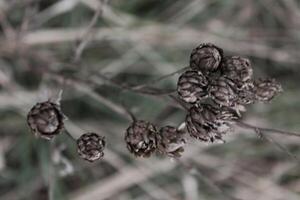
x: 171, y: 141
x: 141, y: 138
x: 238, y: 69
x: 45, y: 119
x: 192, y: 86
x: 266, y: 89
x: 90, y: 146
x: 206, y: 58
x: 209, y: 123
x: 223, y: 92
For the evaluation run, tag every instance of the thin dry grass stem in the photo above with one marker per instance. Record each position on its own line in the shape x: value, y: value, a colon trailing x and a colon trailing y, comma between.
x: 86, y: 36
x: 70, y: 135
x: 195, y: 171
x: 261, y: 133
x: 7, y: 28
x: 142, y: 90
x: 155, y: 81
x: 132, y: 116
x: 51, y: 172
x: 277, y: 145
x: 265, y: 130
x: 30, y: 11
x: 179, y: 101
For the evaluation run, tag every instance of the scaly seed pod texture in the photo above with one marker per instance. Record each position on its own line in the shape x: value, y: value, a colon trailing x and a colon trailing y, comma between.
x: 237, y: 68
x: 45, y: 119
x: 223, y: 92
x: 90, y: 146
x: 192, y: 86
x: 171, y: 141
x: 266, y: 89
x: 206, y: 58
x: 141, y: 138
x: 201, y: 122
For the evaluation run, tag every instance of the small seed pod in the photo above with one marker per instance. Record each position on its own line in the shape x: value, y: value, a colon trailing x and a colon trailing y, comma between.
x: 90, y: 146
x: 141, y: 138
x: 246, y: 96
x: 171, y: 141
x: 45, y: 119
x: 206, y: 58
x: 192, y: 86
x: 208, y: 123
x: 201, y: 123
x: 223, y: 92
x: 266, y: 89
x: 237, y: 69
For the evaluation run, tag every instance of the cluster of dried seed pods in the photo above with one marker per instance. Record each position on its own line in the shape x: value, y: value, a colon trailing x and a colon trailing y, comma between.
x: 143, y: 139
x: 218, y: 88
x: 46, y: 120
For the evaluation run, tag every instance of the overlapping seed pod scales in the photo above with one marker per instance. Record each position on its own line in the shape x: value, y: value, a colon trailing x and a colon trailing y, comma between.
x: 209, y: 123
x: 223, y: 92
x: 238, y: 69
x: 226, y: 114
x: 266, y: 89
x: 201, y: 122
x: 192, y: 86
x: 45, y: 119
x: 90, y: 146
x: 246, y: 96
x: 171, y: 141
x: 206, y: 58
x: 141, y: 138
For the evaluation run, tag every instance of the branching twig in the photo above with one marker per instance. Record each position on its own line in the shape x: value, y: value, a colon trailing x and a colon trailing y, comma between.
x: 159, y: 79
x: 280, y: 147
x: 264, y: 130
x: 261, y: 133
x: 145, y: 89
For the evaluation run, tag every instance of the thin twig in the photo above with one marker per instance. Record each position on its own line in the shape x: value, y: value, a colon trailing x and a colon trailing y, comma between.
x: 262, y: 135
x: 51, y: 179
x: 88, y: 33
x: 264, y: 130
x: 133, y: 118
x: 159, y: 79
x: 143, y: 90
x: 281, y: 147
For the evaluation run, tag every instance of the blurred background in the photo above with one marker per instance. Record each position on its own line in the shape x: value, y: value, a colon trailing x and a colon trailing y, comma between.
x: 92, y: 50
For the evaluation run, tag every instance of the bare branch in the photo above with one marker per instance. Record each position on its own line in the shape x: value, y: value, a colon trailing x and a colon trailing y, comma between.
x: 266, y: 130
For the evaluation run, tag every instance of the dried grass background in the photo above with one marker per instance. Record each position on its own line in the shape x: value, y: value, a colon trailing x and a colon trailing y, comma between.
x: 93, y: 49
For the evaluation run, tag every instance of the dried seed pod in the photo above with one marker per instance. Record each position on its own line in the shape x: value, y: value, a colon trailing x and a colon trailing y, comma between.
x: 207, y: 123
x: 206, y: 58
x: 223, y: 92
x: 171, y: 141
x: 141, y: 138
x: 90, y: 146
x: 237, y: 69
x: 192, y: 86
x: 246, y: 96
x: 201, y: 122
x: 266, y: 89
x: 46, y: 119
